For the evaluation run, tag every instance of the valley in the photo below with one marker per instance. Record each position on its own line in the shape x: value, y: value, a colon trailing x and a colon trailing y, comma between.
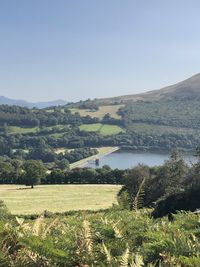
x: 99, y: 133
x: 105, y: 180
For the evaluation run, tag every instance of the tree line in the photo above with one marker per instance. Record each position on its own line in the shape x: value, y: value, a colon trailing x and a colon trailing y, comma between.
x: 33, y: 172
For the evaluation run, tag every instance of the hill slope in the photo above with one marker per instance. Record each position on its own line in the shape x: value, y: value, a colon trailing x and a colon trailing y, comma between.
x: 187, y: 89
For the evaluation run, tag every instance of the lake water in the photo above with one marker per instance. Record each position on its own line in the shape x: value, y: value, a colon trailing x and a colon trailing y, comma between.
x: 127, y: 159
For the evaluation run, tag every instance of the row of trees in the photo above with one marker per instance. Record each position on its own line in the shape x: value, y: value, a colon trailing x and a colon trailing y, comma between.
x: 33, y: 172
x: 21, y: 116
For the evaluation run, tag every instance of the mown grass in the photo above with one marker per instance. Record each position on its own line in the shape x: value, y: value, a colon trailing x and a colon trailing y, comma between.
x: 100, y: 113
x: 57, y: 198
x: 104, y: 129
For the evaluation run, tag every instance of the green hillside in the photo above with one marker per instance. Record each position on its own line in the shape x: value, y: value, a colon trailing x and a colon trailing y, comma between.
x: 161, y: 120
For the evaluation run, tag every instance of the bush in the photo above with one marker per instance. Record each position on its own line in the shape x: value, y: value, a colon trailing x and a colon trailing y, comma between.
x: 187, y: 200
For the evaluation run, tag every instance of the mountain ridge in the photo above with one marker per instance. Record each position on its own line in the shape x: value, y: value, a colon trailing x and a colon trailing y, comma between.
x: 42, y: 104
x: 186, y: 89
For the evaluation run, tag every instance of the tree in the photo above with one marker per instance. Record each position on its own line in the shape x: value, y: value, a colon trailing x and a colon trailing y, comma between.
x: 166, y: 179
x: 34, y: 171
x: 175, y: 169
x: 193, y: 179
x: 17, y: 164
x: 185, y: 200
x: 6, y: 172
x: 63, y: 164
x: 132, y: 182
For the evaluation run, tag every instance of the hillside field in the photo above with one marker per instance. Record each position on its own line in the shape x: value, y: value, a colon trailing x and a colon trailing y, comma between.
x: 57, y: 198
x: 104, y: 129
x: 22, y: 130
x: 27, y: 130
x: 111, y: 109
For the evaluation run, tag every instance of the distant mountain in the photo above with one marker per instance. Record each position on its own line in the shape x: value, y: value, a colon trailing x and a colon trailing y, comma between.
x: 187, y: 89
x: 8, y: 101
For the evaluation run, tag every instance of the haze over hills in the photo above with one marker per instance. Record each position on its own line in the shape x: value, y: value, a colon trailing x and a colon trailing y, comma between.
x: 8, y: 101
x: 187, y: 89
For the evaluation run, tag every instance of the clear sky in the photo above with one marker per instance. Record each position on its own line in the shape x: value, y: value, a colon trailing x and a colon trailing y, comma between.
x: 78, y: 49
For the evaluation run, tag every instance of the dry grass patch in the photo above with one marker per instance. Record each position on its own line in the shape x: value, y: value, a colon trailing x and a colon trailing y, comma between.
x: 100, y: 113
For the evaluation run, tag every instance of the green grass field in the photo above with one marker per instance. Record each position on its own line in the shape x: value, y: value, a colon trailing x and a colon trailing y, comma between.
x: 111, y: 109
x: 57, y: 198
x: 104, y: 129
x: 22, y: 130
x: 57, y: 135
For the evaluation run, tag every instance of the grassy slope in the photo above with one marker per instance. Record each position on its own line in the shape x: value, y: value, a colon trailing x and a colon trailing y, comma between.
x: 103, y: 129
x: 111, y: 109
x: 58, y: 198
x: 186, y: 89
x: 24, y: 130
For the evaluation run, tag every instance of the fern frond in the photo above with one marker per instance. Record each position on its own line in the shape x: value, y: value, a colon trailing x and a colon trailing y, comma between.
x: 50, y: 226
x: 125, y: 258
x: 20, y: 221
x: 38, y: 225
x: 117, y: 230
x: 107, y: 253
x: 138, y: 200
x: 87, y: 234
x: 138, y: 261
x: 26, y: 257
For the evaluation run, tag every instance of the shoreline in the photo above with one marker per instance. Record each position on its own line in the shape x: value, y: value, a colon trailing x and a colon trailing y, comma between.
x: 102, y: 152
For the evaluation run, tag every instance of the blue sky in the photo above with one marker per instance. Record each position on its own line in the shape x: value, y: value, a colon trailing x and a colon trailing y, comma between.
x: 80, y: 49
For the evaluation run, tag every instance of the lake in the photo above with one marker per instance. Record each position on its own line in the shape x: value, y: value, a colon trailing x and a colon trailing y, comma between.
x: 127, y: 159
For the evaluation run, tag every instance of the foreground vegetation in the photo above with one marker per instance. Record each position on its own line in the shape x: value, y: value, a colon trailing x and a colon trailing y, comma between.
x: 111, y: 238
